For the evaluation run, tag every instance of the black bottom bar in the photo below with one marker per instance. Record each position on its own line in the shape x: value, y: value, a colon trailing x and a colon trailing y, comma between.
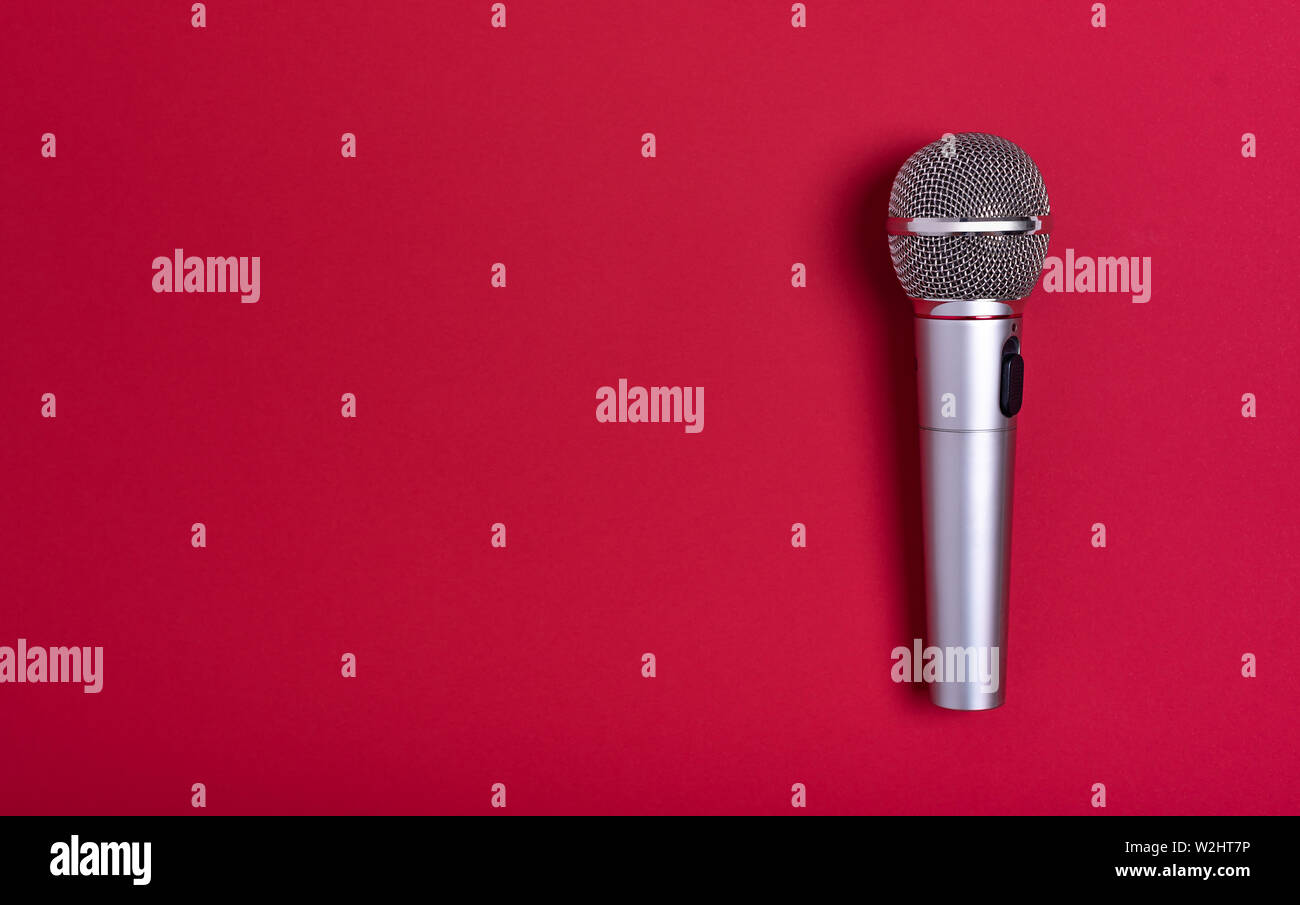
x: 612, y: 856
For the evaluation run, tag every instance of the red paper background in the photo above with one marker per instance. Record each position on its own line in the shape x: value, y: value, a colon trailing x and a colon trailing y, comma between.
x: 476, y: 405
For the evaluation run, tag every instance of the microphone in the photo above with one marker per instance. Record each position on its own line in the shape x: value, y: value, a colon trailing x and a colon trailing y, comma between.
x: 968, y: 227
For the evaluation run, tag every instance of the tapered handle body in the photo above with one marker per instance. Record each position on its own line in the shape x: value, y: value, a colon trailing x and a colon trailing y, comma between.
x: 970, y: 382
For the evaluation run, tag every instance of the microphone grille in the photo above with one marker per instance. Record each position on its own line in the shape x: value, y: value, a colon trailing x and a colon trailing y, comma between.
x: 969, y: 175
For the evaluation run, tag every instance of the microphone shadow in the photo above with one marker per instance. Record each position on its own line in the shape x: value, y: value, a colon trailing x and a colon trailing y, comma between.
x: 889, y: 347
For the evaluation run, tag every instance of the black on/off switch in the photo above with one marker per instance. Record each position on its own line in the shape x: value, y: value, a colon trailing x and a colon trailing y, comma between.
x: 1013, y: 378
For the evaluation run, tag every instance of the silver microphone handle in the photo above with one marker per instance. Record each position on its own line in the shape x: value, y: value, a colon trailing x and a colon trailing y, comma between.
x: 966, y: 386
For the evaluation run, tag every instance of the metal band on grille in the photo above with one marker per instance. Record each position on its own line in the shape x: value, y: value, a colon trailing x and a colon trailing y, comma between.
x: 983, y: 226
